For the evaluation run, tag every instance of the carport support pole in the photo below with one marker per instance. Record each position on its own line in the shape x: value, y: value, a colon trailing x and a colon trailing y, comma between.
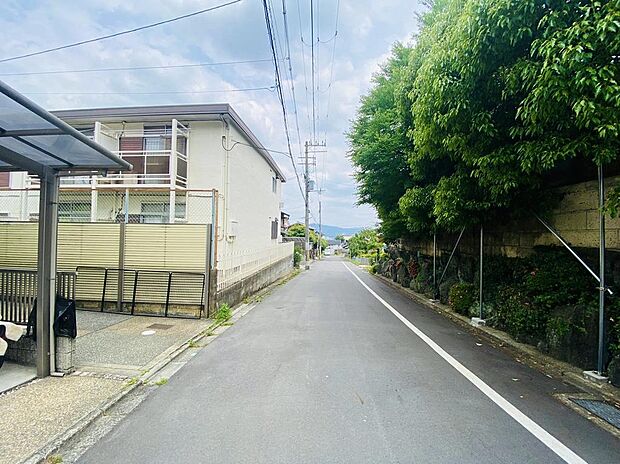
x: 46, y: 272
x: 601, y: 257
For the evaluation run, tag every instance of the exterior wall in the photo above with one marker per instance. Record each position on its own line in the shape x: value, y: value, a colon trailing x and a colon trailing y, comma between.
x: 252, y: 203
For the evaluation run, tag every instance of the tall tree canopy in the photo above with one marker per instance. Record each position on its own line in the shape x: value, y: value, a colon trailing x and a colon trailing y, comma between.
x: 493, y: 94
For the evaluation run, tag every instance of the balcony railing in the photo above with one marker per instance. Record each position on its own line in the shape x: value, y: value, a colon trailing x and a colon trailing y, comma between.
x: 143, y: 162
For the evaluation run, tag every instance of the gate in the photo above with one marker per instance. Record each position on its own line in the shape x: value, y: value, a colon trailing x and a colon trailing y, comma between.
x: 140, y: 291
x: 18, y: 290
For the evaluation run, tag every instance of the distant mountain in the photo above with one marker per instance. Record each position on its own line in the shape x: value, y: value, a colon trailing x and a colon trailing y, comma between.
x: 332, y: 231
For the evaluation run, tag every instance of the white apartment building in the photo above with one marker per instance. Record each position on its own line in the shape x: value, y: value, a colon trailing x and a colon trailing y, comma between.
x: 180, y: 154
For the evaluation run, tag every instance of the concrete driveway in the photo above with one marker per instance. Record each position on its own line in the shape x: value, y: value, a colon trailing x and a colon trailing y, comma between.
x: 125, y: 344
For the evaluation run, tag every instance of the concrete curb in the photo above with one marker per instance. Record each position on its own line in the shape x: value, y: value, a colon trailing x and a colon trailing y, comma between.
x: 151, y: 370
x: 528, y: 354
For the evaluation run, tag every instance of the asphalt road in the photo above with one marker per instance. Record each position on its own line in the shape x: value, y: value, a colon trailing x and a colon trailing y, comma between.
x: 322, y: 371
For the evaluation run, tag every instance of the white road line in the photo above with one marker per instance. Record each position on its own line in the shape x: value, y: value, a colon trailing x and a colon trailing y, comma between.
x: 541, y: 434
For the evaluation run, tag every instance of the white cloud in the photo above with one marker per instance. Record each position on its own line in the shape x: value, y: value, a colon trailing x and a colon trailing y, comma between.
x: 367, y: 30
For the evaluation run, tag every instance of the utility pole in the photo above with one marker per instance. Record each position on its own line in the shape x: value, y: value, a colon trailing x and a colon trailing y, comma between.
x: 308, y: 159
x: 307, y: 209
x: 320, y: 228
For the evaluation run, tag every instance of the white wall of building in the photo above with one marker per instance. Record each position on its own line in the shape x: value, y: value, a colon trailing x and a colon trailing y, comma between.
x: 241, y: 175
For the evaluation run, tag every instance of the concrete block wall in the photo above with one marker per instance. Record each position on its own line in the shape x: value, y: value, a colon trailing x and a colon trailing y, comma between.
x: 257, y: 281
x: 24, y: 351
x: 575, y: 218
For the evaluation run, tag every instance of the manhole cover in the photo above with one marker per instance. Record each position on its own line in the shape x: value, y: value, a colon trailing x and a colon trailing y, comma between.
x: 159, y: 326
x: 601, y: 409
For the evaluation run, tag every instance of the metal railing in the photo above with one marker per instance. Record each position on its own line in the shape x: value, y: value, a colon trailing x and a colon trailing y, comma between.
x: 236, y: 266
x: 18, y: 291
x: 115, y: 204
x: 141, y: 291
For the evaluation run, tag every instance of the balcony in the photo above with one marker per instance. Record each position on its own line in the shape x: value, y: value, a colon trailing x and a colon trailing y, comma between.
x: 159, y: 155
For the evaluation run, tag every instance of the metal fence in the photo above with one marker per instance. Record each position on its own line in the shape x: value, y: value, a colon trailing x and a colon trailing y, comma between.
x: 18, y: 291
x: 141, y: 292
x: 115, y: 204
x: 237, y: 265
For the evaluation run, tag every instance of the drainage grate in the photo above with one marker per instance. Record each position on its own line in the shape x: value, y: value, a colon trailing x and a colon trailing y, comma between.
x: 601, y: 409
x: 159, y: 326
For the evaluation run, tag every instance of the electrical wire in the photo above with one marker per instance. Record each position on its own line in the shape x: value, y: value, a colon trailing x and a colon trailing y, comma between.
x: 117, y: 34
x: 272, y: 43
x: 133, y: 68
x: 303, y: 57
x: 331, y: 73
x: 237, y: 142
x: 291, y: 74
x: 173, y: 92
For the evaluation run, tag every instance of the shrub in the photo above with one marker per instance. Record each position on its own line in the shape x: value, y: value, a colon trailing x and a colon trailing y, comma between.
x: 462, y: 296
x: 515, y: 313
x: 297, y: 256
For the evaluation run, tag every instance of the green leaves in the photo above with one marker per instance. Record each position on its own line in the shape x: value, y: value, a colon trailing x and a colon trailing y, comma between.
x: 491, y: 98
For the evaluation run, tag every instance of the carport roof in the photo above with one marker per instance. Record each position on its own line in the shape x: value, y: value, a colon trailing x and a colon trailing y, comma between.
x: 34, y: 140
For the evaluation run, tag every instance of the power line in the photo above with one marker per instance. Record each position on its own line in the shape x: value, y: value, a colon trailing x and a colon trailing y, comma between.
x: 173, y: 92
x: 303, y: 58
x: 117, y: 34
x: 291, y: 75
x: 331, y: 73
x: 313, y: 71
x: 133, y: 68
x: 279, y: 90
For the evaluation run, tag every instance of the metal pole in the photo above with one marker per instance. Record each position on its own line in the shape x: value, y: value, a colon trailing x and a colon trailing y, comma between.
x: 307, y: 210
x: 434, y: 263
x: 320, y: 228
x: 126, y: 206
x: 481, y: 267
x: 46, y: 274
x: 572, y: 252
x: 601, y: 258
x: 458, y: 240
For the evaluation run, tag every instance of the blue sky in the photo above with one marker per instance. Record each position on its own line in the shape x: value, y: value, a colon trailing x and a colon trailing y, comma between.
x: 366, y: 31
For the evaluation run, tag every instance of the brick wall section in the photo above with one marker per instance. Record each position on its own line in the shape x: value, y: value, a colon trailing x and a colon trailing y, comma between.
x: 575, y: 219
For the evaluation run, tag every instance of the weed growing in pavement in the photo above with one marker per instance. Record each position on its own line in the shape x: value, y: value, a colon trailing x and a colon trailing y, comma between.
x: 193, y: 344
x: 54, y: 459
x: 162, y: 381
x: 132, y: 381
x: 224, y: 313
x: 227, y: 323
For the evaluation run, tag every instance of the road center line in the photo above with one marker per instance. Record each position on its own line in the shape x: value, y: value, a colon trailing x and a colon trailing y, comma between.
x: 541, y: 434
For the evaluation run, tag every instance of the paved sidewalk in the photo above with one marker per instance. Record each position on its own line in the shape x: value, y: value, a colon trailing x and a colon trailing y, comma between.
x: 37, y: 412
x: 111, y: 349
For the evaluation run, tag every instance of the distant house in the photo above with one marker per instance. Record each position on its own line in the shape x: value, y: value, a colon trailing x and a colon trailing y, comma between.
x: 284, y: 222
x: 179, y: 154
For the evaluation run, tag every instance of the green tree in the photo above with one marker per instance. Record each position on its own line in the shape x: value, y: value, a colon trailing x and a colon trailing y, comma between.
x: 379, y: 146
x: 469, y: 122
x: 299, y: 230
x: 365, y: 242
